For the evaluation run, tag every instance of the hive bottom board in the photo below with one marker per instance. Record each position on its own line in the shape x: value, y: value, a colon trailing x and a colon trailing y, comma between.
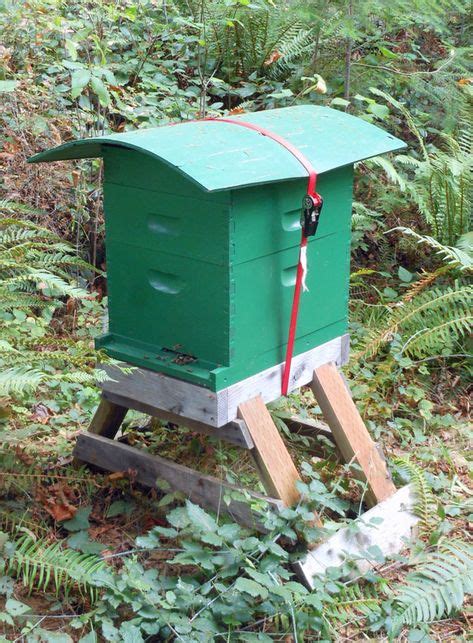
x: 145, y: 387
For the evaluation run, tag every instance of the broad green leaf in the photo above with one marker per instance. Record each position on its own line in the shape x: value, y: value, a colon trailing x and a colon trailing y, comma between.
x: 404, y: 275
x: 99, y: 88
x: 380, y: 111
x: 79, y: 80
x: 119, y: 507
x: 340, y: 101
x: 200, y: 518
x: 80, y: 520
x: 251, y: 587
x: 81, y: 541
x: 15, y: 608
x: 71, y: 49
x: 387, y: 53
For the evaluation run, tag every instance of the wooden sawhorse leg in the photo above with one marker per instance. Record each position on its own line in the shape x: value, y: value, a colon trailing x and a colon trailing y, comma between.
x: 107, y: 419
x: 350, y: 433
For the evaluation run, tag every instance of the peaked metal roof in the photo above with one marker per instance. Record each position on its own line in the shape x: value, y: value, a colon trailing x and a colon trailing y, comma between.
x: 221, y: 156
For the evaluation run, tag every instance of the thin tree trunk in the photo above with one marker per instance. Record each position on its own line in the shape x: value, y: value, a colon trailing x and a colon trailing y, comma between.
x: 316, y: 49
x: 348, y: 48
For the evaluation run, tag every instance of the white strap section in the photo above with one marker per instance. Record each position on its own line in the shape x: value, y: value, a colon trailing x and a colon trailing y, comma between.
x: 303, y: 261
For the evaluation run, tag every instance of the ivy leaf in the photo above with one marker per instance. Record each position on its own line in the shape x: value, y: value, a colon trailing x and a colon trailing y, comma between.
x: 80, y: 520
x: 91, y: 637
x: 6, y: 618
x: 81, y: 541
x: 120, y: 507
x: 6, y: 585
x: 251, y: 587
x: 150, y: 541
x: 99, y: 88
x: 53, y: 637
x: 79, y: 79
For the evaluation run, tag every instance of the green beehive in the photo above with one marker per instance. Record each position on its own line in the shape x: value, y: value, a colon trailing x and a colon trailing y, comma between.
x: 202, y: 236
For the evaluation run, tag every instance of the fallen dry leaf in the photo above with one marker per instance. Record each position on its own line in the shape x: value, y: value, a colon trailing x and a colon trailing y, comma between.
x: 41, y: 413
x: 56, y: 500
x: 272, y: 58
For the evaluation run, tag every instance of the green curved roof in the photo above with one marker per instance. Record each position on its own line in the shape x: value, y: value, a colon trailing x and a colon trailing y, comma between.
x: 221, y: 156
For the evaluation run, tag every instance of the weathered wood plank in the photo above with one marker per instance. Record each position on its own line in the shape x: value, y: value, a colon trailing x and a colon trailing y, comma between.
x: 218, y: 409
x: 234, y: 432
x: 164, y: 392
x: 107, y: 418
x: 199, y: 488
x: 352, y: 543
x: 278, y: 472
x: 350, y: 433
x: 307, y: 426
x: 312, y: 429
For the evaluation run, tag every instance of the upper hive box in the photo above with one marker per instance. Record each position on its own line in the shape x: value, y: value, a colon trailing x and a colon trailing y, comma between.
x: 202, y: 236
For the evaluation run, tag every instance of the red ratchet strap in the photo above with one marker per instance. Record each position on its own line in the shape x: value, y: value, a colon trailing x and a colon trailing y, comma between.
x: 307, y: 165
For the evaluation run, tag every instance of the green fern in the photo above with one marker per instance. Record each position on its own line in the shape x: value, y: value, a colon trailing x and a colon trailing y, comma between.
x: 355, y: 602
x: 35, y: 277
x: 241, y: 39
x: 429, y: 324
x: 12, y: 523
x: 440, y: 183
x: 437, y: 588
x: 426, y: 505
x: 459, y: 257
x: 46, y: 566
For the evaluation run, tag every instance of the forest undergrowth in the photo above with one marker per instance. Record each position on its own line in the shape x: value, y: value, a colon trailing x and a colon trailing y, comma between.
x: 88, y: 556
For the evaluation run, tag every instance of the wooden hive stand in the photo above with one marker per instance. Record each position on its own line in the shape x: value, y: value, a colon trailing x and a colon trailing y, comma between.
x: 253, y: 429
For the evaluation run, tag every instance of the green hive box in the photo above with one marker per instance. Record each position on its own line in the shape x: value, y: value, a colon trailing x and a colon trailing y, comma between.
x: 202, y: 236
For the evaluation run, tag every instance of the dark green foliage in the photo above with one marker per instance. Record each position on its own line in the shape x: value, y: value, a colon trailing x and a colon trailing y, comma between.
x: 35, y: 277
x: 48, y: 566
x: 426, y: 506
x: 430, y: 323
x: 75, y: 69
x: 437, y: 587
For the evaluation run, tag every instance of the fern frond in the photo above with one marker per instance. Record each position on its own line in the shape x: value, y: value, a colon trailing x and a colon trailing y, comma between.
x: 353, y: 603
x: 291, y: 48
x: 15, y: 524
x: 437, y: 588
x: 426, y: 505
x: 425, y: 280
x: 429, y: 311
x: 17, y: 380
x: 385, y: 164
x: 44, y: 280
x: 43, y: 566
x: 428, y: 341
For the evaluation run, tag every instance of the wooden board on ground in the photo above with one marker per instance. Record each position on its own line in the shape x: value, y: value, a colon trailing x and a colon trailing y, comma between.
x: 352, y: 543
x: 199, y: 488
x: 350, y: 433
